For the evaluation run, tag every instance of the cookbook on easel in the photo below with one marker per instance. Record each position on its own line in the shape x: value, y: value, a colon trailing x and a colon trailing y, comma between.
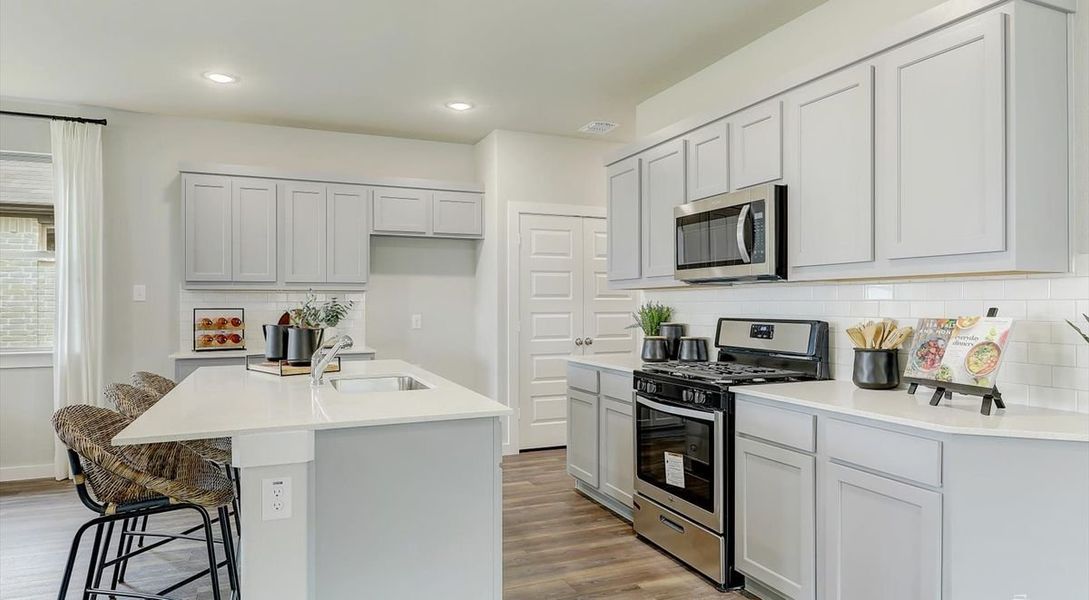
x: 965, y: 350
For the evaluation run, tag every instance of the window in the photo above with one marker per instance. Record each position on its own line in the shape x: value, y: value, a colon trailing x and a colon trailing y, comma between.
x: 27, y: 245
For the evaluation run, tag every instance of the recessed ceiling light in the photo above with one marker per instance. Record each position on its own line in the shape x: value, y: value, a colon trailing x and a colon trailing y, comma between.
x: 458, y: 106
x: 598, y: 127
x: 220, y: 77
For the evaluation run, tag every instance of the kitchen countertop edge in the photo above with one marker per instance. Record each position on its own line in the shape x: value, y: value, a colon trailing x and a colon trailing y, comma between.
x: 621, y: 364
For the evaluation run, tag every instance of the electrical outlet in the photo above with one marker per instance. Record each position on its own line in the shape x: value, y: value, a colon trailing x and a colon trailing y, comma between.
x: 139, y: 293
x: 276, y: 498
x: 417, y: 321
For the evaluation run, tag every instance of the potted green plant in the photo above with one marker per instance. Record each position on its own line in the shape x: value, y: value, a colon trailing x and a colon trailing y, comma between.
x: 308, y: 323
x: 649, y: 318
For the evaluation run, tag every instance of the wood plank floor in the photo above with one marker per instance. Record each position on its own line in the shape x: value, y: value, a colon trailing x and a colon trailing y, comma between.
x: 557, y: 545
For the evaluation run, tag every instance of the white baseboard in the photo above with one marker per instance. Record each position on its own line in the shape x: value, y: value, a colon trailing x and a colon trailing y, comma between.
x: 26, y: 472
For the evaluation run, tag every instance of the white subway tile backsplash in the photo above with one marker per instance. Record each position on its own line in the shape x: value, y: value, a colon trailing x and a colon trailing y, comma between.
x: 1047, y: 363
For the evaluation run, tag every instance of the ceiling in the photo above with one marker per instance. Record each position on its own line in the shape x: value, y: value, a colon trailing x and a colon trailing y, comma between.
x: 376, y: 66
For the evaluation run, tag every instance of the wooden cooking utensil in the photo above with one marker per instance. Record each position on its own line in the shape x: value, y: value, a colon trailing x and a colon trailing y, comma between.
x: 856, y: 336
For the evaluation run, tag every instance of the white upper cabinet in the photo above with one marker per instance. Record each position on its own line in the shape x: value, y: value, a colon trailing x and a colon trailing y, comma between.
x: 663, y: 184
x: 458, y: 214
x: 253, y: 240
x: 624, y: 224
x: 207, y: 202
x: 402, y: 211
x: 828, y: 149
x: 708, y: 160
x: 942, y: 141
x: 348, y: 231
x: 756, y: 144
x: 305, y: 222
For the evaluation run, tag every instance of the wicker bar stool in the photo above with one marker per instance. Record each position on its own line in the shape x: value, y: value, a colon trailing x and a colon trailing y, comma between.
x: 130, y: 482
x: 153, y: 382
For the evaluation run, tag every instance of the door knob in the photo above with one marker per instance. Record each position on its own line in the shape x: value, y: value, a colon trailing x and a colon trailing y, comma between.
x: 589, y: 341
x: 578, y: 341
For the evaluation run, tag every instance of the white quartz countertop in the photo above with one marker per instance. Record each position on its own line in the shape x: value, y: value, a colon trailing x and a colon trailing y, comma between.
x: 190, y: 354
x: 624, y: 363
x: 957, y: 416
x: 229, y: 400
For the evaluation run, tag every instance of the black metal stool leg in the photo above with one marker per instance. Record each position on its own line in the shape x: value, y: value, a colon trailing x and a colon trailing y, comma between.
x: 93, y: 562
x: 124, y: 542
x: 67, y: 579
x: 102, y: 557
x: 213, y: 570
x: 228, y: 547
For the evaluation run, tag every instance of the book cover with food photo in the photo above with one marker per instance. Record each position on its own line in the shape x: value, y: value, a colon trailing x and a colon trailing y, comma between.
x: 219, y: 329
x: 965, y: 350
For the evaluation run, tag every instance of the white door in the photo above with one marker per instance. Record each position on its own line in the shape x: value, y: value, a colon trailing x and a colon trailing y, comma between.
x: 607, y: 312
x: 564, y: 302
x: 829, y: 169
x: 253, y: 204
x: 550, y: 321
x: 207, y: 204
x: 304, y: 232
x: 882, y: 539
x: 941, y: 130
x: 663, y: 189
x: 349, y: 234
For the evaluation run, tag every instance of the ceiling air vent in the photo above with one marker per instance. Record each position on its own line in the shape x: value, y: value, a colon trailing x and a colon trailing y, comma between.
x: 597, y: 127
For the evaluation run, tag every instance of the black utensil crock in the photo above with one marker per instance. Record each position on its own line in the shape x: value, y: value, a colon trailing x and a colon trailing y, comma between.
x: 876, y: 369
x: 275, y: 341
x: 672, y: 332
x: 301, y: 344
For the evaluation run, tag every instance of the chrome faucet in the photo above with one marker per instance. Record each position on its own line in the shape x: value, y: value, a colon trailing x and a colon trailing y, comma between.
x: 321, y: 358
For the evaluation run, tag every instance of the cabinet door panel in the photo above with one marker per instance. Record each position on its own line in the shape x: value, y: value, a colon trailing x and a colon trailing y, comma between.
x: 829, y: 169
x: 776, y: 526
x: 305, y: 222
x: 708, y: 160
x: 348, y: 246
x: 207, y: 203
x: 756, y: 145
x: 882, y: 538
x: 941, y: 124
x: 582, y: 441
x: 663, y: 189
x: 402, y: 211
x: 253, y: 204
x: 624, y: 228
x: 458, y: 213
x: 617, y: 450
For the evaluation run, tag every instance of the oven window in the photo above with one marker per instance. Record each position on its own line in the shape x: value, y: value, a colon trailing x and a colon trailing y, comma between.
x: 676, y: 454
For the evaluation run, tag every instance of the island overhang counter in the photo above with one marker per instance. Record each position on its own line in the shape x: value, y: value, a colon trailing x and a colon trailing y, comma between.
x: 391, y: 493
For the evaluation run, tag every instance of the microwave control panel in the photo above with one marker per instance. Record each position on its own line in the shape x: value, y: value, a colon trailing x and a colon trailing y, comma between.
x: 759, y: 234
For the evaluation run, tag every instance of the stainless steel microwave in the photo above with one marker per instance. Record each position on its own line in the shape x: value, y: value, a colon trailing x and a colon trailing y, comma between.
x: 740, y: 236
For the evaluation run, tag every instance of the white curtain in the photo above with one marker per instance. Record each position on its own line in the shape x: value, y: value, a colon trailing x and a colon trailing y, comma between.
x: 77, y: 353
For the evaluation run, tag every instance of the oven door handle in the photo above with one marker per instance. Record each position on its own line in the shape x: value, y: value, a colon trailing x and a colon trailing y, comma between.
x: 675, y: 410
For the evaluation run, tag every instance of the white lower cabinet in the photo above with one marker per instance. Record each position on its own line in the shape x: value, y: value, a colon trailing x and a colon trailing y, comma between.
x: 617, y: 474
x: 775, y: 529
x: 582, y: 445
x: 601, y: 436
x: 882, y: 538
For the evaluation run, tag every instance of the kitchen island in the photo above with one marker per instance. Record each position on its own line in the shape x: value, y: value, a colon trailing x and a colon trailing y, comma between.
x: 388, y: 492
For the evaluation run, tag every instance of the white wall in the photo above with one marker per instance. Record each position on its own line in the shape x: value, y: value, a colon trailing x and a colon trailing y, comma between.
x: 518, y: 167
x: 827, y: 29
x: 1047, y: 364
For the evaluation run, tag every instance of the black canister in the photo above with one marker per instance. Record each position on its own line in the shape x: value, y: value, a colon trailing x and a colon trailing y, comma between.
x: 693, y: 349
x: 876, y: 369
x: 672, y: 332
x: 655, y: 349
x: 301, y: 344
x: 275, y: 341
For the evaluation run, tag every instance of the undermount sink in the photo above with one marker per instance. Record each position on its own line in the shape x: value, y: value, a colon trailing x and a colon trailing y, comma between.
x: 381, y: 383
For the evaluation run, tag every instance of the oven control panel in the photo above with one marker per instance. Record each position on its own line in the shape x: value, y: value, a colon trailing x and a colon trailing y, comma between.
x: 762, y: 331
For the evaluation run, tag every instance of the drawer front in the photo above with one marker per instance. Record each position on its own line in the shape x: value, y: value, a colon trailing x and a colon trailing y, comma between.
x: 617, y: 386
x: 898, y: 454
x: 693, y: 544
x: 780, y: 425
x: 583, y: 378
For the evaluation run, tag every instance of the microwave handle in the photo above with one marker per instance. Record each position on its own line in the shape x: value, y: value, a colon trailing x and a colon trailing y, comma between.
x: 741, y: 234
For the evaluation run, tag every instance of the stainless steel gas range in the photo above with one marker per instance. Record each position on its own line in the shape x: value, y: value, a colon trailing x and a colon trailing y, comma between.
x: 684, y: 426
